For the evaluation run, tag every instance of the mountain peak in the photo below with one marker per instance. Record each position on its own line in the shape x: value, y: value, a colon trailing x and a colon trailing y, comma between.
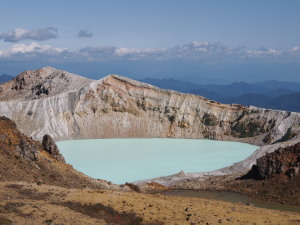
x: 118, y: 79
x: 49, y: 69
x: 41, y: 83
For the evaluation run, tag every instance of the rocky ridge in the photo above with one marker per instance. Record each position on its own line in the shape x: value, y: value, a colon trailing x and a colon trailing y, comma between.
x: 116, y: 106
x: 40, y: 84
x: 24, y: 159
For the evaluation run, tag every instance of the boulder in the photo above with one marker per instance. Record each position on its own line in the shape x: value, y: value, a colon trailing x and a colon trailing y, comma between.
x: 50, y: 146
x: 283, y: 161
x: 27, y: 151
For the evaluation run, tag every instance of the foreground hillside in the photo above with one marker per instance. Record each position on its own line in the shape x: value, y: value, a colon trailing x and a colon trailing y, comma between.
x: 23, y: 203
x: 23, y: 159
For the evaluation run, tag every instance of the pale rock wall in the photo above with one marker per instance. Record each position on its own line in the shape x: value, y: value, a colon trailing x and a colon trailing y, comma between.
x: 115, y: 107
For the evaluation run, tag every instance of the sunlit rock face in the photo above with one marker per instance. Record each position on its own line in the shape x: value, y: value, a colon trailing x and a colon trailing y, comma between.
x: 116, y: 106
x: 42, y: 83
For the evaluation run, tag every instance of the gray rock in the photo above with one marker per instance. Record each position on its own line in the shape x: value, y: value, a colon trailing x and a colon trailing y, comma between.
x: 51, y: 147
x: 187, y: 209
x: 27, y: 151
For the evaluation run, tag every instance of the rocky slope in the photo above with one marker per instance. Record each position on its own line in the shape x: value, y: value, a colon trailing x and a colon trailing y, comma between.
x: 23, y: 159
x: 274, y: 176
x: 116, y: 106
x: 40, y: 83
x: 284, y: 161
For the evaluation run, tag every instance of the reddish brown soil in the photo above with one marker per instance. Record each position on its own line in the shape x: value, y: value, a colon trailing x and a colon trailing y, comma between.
x: 16, y: 164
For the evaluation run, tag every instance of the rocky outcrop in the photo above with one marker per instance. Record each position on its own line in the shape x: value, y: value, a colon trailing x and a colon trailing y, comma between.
x: 26, y: 151
x: 284, y: 161
x: 50, y: 146
x: 22, y: 147
x: 40, y: 83
x: 24, y: 159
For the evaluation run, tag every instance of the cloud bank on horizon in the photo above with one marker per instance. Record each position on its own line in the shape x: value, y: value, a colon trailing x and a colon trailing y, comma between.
x: 169, y: 38
x: 203, y: 51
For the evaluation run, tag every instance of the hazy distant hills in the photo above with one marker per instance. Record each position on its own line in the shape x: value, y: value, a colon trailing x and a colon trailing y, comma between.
x: 289, y: 102
x: 274, y: 84
x: 268, y: 94
x: 5, y: 77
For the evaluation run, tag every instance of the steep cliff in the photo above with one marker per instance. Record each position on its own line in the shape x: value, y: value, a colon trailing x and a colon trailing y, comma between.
x: 120, y: 107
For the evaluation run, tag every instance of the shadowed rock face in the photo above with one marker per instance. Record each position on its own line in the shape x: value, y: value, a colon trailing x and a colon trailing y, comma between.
x: 284, y: 161
x: 50, y: 146
x: 22, y: 147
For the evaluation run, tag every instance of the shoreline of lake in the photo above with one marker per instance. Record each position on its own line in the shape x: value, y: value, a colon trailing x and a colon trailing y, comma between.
x: 157, y: 157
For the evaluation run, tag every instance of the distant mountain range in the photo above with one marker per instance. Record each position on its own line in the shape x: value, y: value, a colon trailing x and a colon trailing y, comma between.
x: 5, y: 77
x: 271, y: 94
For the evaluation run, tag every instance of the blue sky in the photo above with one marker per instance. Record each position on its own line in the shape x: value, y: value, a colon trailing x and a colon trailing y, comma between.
x: 197, y: 36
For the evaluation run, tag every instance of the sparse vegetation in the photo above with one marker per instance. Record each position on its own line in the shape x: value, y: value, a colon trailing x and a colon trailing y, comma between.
x: 5, y: 221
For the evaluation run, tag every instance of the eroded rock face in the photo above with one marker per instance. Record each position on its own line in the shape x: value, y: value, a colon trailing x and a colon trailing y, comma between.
x: 118, y: 107
x: 284, y: 161
x: 40, y: 83
x: 10, y: 138
x: 27, y: 150
x: 50, y: 146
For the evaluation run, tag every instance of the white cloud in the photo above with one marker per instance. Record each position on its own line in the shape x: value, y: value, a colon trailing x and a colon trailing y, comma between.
x: 264, y: 52
x: 20, y: 34
x: 33, y: 50
x: 202, y: 51
x: 136, y: 54
x: 296, y: 49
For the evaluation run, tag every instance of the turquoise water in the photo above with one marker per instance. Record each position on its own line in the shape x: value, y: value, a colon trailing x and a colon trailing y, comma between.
x: 129, y: 160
